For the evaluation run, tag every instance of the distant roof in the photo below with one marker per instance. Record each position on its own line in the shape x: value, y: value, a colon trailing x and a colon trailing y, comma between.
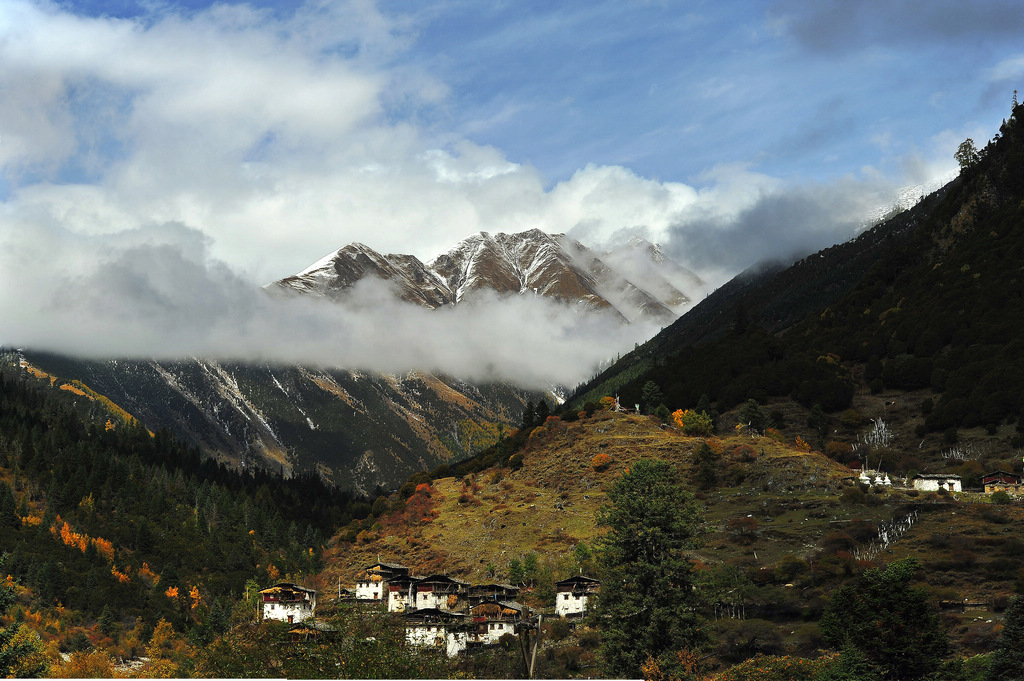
x: 443, y: 578
x: 433, y: 612
x: 1001, y: 472
x: 393, y: 566
x: 286, y: 586
x: 936, y: 476
x: 578, y: 579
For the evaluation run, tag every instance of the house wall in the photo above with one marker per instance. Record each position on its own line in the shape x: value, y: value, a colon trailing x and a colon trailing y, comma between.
x: 431, y: 599
x: 368, y: 590
x: 398, y: 601
x: 491, y: 631
x: 436, y: 635
x: 1004, y: 487
x: 567, y: 603
x: 281, y: 611
x: 928, y: 485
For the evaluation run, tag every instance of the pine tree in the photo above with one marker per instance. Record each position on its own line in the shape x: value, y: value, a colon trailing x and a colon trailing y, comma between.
x: 651, y: 396
x: 648, y: 602
x: 1008, y: 658
x: 892, y: 623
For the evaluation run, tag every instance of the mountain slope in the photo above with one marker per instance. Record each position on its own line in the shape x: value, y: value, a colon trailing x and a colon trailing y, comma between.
x: 922, y: 311
x: 359, y: 430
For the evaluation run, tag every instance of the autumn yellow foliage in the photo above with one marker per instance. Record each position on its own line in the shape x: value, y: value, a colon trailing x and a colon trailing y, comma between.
x: 94, y: 664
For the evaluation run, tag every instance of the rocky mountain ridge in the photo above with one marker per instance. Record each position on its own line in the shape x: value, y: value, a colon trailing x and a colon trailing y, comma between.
x: 635, y: 280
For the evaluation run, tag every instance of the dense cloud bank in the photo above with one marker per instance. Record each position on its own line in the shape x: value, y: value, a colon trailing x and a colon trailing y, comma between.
x: 155, y: 292
x: 155, y: 171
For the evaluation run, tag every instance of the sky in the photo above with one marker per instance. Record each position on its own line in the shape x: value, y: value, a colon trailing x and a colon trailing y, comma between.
x: 152, y: 150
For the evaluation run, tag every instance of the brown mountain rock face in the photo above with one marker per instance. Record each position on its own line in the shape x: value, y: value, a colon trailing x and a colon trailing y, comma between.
x: 641, y: 284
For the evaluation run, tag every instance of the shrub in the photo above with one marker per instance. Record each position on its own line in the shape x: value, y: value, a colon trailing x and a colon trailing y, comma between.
x: 559, y: 629
x: 601, y: 462
x: 1000, y: 497
x: 693, y: 423
x: 839, y: 451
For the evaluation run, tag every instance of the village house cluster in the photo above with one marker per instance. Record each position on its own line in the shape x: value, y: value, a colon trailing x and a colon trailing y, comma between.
x: 439, y: 611
x: 996, y: 481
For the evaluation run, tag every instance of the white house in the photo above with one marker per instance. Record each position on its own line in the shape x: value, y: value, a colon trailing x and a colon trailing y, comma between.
x: 571, y: 595
x: 287, y: 602
x: 494, y: 620
x: 440, y: 591
x: 373, y: 586
x: 402, y: 593
x: 933, y: 483
x: 438, y: 629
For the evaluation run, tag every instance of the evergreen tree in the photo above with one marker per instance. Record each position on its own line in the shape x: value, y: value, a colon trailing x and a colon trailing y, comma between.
x: 1008, y: 658
x: 543, y: 412
x: 651, y: 396
x: 891, y: 623
x: 8, y: 508
x: 706, y: 475
x: 752, y: 416
x: 648, y: 603
x: 529, y: 415
x: 704, y: 406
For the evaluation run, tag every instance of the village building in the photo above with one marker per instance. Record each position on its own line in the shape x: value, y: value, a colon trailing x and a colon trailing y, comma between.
x: 483, y: 593
x: 572, y: 595
x: 437, y: 628
x: 933, y: 483
x: 374, y: 583
x: 402, y: 593
x: 1002, y: 481
x: 493, y: 620
x: 287, y: 602
x: 442, y: 592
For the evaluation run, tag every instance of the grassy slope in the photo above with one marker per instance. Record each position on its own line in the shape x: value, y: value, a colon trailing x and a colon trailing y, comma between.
x: 969, y: 548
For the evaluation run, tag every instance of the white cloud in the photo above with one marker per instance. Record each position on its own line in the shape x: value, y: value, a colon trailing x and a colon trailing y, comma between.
x: 159, y: 168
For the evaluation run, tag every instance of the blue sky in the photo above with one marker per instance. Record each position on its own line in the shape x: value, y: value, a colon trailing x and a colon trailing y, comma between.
x: 726, y: 98
x: 253, y: 138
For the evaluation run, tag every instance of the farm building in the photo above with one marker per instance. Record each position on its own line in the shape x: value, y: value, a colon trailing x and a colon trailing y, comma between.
x: 440, y: 591
x: 571, y: 595
x: 437, y: 628
x: 287, y: 602
x: 933, y: 483
x: 374, y: 584
x: 493, y: 620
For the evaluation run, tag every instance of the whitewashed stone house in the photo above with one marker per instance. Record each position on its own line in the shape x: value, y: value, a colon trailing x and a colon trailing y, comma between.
x: 402, y: 593
x: 440, y: 591
x: 933, y: 483
x: 572, y: 595
x: 491, y: 621
x: 373, y: 586
x: 437, y: 628
x: 287, y: 602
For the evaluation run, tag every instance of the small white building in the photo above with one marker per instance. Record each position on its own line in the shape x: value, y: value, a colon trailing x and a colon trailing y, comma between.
x: 402, y: 593
x: 287, y: 602
x: 571, y: 595
x: 436, y: 628
x: 933, y: 483
x: 493, y: 620
x: 440, y: 591
x: 373, y: 586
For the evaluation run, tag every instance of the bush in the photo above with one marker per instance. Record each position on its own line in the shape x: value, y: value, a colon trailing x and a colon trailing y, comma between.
x: 559, y: 629
x: 601, y: 462
x: 1000, y: 497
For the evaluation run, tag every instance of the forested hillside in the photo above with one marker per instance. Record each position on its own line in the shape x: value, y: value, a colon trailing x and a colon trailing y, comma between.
x: 109, y: 529
x: 925, y: 306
